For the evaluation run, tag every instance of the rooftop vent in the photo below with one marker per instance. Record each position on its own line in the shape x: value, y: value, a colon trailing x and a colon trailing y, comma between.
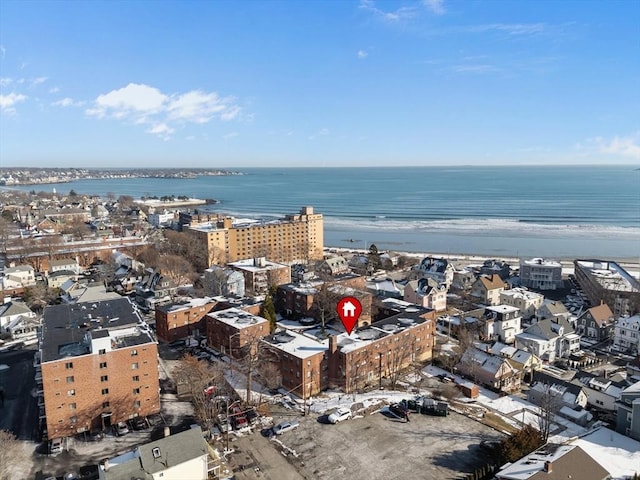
x: 156, y: 452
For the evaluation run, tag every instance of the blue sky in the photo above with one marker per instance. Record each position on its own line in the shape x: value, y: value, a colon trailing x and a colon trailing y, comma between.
x: 319, y: 83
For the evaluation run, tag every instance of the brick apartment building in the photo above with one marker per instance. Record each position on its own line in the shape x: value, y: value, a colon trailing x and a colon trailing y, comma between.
x: 301, y: 299
x: 232, y: 330
x: 261, y: 274
x: 181, y: 320
x: 296, y: 238
x: 98, y: 365
x: 310, y: 364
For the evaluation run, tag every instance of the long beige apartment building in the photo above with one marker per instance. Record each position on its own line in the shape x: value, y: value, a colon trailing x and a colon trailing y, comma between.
x: 296, y: 238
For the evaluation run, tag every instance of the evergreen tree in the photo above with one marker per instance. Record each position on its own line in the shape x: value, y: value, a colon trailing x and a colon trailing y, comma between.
x: 270, y: 312
x: 373, y: 259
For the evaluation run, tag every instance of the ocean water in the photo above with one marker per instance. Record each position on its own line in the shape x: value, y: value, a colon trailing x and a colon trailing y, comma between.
x: 563, y: 211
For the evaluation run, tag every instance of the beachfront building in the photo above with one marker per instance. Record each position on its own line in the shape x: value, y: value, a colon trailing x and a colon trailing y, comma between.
x: 98, y: 365
x: 626, y: 337
x: 524, y: 300
x: 296, y: 238
x: 437, y: 269
x: 608, y: 282
x: 260, y: 274
x: 541, y: 274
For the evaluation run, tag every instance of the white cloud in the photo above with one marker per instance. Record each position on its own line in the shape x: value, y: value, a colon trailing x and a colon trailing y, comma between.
x: 8, y: 102
x: 320, y: 133
x: 230, y: 135
x: 402, y: 13
x: 54, y: 90
x: 509, y: 28
x: 474, y: 68
x: 5, y: 81
x: 142, y: 104
x: 628, y: 146
x: 363, y: 54
x: 67, y: 102
x: 38, y: 81
x: 436, y: 6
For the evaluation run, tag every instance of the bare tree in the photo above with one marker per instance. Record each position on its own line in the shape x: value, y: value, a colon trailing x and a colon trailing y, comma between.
x: 195, y: 377
x: 325, y: 301
x: 399, y: 356
x: 12, y: 453
x: 251, y: 355
x: 177, y: 268
x: 549, y: 403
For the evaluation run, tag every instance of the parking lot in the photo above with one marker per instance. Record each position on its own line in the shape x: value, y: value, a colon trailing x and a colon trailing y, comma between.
x: 379, y: 446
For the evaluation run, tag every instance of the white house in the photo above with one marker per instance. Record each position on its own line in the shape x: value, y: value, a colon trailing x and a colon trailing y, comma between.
x: 549, y: 339
x: 524, y: 300
x: 64, y: 264
x: 25, y: 275
x: 175, y: 457
x: 626, y: 336
x: 502, y: 322
x: 427, y: 293
x: 11, y: 312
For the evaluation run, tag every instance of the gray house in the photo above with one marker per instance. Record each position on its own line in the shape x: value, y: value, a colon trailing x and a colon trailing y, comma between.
x: 628, y: 416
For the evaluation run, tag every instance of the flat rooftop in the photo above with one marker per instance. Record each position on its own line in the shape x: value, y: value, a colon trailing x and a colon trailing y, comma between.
x: 541, y: 262
x: 237, y: 318
x: 297, y: 344
x: 67, y: 329
x: 186, y: 305
x: 610, y: 275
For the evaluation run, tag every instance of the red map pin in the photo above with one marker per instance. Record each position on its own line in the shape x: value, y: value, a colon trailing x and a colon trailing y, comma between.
x: 349, y: 309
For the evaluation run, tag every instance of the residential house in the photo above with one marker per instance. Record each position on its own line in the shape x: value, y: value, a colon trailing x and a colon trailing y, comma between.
x: 541, y: 274
x: 554, y: 462
x: 385, y: 288
x: 488, y: 289
x: 180, y: 456
x: 564, y: 393
x: 626, y: 337
x: 64, y: 264
x: 602, y: 392
x: 495, y: 372
x: 427, y: 293
x: 628, y: 412
x: 496, y: 267
x: 24, y: 275
x: 14, y: 315
x: 261, y: 274
x: 333, y: 266
x: 98, y: 366
x: 549, y: 339
x: 524, y: 300
x: 522, y: 360
x: 83, y: 291
x: 60, y: 277
x: 552, y: 309
x: 154, y: 289
x: 161, y: 219
x: 463, y: 280
x: 597, y: 323
x: 439, y: 270
x: 502, y: 323
x: 185, y: 319
x: 223, y: 281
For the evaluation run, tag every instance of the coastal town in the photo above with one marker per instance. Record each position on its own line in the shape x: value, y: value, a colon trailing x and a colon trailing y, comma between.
x: 151, y: 338
x: 34, y: 176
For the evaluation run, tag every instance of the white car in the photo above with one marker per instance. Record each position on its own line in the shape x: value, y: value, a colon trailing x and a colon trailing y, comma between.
x: 284, y: 427
x: 339, y: 415
x: 121, y: 429
x: 56, y: 446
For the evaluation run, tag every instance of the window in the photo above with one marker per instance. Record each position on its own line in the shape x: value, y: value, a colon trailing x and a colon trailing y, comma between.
x: 105, y: 391
x: 135, y: 378
x: 70, y: 379
x: 103, y: 364
x: 72, y: 406
x: 134, y: 366
x: 136, y: 391
x: 71, y: 393
x: 136, y: 404
x: 68, y: 365
x: 102, y: 351
x: 73, y: 419
x: 105, y: 404
x: 104, y: 378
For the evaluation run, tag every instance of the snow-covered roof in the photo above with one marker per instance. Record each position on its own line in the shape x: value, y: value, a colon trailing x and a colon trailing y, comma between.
x: 299, y: 345
x: 618, y: 454
x: 237, y: 318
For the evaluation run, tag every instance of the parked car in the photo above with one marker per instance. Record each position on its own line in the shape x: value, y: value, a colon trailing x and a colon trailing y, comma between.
x: 339, y: 415
x: 121, y: 429
x: 284, y: 427
x: 177, y: 344
x: 398, y: 410
x: 56, y: 446
x: 96, y: 435
x: 139, y: 423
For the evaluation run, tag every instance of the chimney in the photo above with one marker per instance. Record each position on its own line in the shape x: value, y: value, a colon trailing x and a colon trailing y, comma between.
x: 167, y: 431
x: 548, y: 466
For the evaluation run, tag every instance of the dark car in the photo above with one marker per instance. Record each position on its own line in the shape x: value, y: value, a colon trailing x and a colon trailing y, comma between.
x: 399, y: 410
x: 139, y: 423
